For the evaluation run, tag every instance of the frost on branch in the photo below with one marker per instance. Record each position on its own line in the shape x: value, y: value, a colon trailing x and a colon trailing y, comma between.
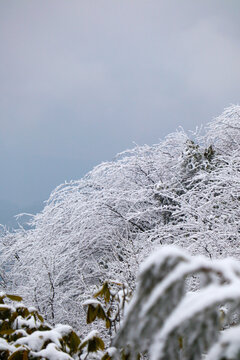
x: 166, y: 321
x: 224, y: 131
x: 182, y: 191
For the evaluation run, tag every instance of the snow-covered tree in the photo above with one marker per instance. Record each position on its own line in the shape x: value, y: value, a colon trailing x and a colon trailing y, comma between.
x: 91, y: 229
x: 184, y: 190
x: 205, y: 191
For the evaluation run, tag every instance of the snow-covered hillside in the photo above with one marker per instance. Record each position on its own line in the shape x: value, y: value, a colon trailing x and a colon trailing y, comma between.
x: 184, y: 191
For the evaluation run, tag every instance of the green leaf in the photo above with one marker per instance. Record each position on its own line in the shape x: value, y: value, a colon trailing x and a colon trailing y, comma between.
x: 100, y: 343
x: 92, y: 345
x: 100, y: 312
x: 104, y: 292
x: 19, y: 355
x: 125, y: 356
x: 106, y: 357
x: 91, y: 314
x: 1, y: 299
x: 95, y: 312
x: 73, y: 342
x: 108, y: 323
x: 23, y: 311
x: 5, y: 325
x: 6, y: 332
x: 4, y: 313
x: 36, y: 316
x: 40, y: 317
x: 4, y: 354
x: 14, y: 297
x: 180, y: 342
x: 95, y: 344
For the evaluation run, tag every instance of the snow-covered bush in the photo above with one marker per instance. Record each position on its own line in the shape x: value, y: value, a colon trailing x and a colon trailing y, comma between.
x: 166, y: 322
x: 25, y: 335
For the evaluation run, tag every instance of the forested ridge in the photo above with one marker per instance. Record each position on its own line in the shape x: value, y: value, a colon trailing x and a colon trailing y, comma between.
x: 183, y: 191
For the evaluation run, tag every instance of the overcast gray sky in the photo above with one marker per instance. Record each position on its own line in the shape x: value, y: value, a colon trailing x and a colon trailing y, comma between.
x: 81, y: 80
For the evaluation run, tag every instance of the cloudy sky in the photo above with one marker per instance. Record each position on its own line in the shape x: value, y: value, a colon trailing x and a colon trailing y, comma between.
x: 81, y: 80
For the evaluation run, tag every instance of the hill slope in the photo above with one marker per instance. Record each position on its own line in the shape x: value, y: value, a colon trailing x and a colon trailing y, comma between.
x: 183, y: 191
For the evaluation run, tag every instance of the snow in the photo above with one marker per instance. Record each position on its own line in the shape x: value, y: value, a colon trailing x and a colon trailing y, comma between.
x: 192, y: 305
x: 63, y: 329
x: 161, y: 311
x: 6, y: 306
x: 52, y: 352
x: 21, y: 322
x: 21, y: 332
x: 92, y: 302
x: 179, y: 191
x: 31, y: 309
x: 228, y: 345
x: 50, y: 344
x: 4, y: 345
x: 111, y: 351
x: 36, y: 340
x: 91, y: 336
x: 223, y: 267
x: 156, y: 259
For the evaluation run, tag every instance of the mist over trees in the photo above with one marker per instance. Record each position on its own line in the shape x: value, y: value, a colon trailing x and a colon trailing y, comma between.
x: 185, y: 191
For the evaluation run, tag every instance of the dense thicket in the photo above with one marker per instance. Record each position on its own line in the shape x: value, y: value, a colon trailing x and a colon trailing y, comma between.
x: 184, y: 190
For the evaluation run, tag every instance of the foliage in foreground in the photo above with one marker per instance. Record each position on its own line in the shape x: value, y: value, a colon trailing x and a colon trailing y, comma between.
x: 166, y: 322
x: 25, y: 335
